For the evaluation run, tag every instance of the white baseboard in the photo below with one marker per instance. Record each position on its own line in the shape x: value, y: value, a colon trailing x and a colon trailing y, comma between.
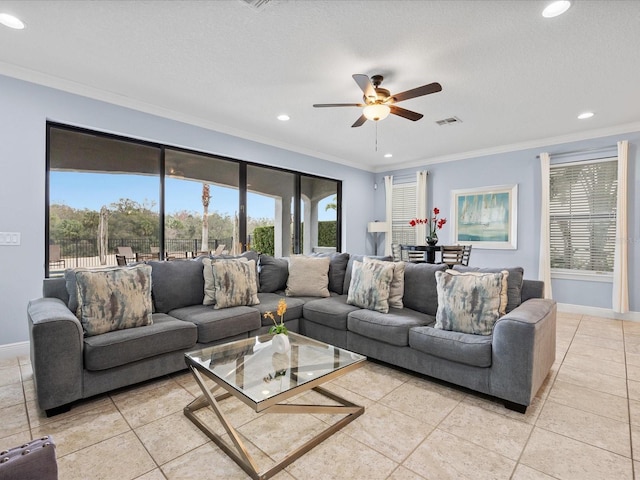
x: 14, y: 350
x: 598, y: 312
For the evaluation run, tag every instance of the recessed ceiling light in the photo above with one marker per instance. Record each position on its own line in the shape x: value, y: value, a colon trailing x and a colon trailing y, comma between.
x: 556, y: 8
x: 284, y: 117
x: 585, y: 115
x: 11, y: 21
x: 388, y: 155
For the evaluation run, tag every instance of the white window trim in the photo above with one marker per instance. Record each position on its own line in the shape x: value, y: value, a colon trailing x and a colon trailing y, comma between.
x: 582, y: 275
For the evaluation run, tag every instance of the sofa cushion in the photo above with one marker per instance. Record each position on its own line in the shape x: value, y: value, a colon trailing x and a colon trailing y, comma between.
x: 420, y: 292
x: 209, y: 281
x: 332, y: 311
x: 455, y: 346
x: 235, y: 283
x: 121, y: 347
x: 358, y: 258
x: 114, y: 299
x: 396, y: 289
x: 470, y: 302
x: 215, y: 324
x: 176, y: 284
x: 337, y: 270
x: 308, y: 276
x: 370, y: 285
x: 392, y: 327
x: 514, y: 282
x: 273, y: 274
x: 248, y: 255
x: 269, y: 303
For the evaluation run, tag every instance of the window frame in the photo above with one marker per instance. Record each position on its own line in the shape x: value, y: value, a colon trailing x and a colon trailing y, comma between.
x: 162, y: 147
x: 577, y: 274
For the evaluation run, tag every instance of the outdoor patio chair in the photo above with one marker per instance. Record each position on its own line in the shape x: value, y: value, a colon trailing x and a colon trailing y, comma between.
x: 128, y: 254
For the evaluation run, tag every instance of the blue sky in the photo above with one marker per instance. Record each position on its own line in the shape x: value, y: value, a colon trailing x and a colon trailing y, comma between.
x: 92, y: 191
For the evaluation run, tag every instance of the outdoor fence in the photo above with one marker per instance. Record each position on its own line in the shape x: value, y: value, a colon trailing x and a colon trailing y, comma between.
x: 83, y: 252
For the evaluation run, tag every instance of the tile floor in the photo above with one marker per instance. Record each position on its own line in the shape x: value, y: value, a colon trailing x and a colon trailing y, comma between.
x: 584, y: 423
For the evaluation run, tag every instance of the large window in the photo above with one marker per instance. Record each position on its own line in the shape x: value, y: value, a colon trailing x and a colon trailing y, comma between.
x: 113, y: 199
x: 582, y: 205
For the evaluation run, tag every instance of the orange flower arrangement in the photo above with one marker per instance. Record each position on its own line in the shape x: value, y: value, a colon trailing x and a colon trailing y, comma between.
x: 278, y: 327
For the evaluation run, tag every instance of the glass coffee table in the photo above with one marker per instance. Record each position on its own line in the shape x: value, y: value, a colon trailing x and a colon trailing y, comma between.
x: 253, y: 371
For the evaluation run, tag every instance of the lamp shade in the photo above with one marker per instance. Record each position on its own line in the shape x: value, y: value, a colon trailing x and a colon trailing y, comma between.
x: 376, y: 111
x: 376, y: 227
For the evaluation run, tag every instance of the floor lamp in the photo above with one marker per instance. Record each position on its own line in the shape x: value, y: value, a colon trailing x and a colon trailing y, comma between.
x: 376, y: 228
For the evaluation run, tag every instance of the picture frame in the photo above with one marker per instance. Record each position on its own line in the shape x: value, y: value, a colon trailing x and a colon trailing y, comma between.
x: 486, y: 217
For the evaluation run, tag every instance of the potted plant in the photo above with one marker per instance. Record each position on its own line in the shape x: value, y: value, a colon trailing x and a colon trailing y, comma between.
x: 279, y: 330
x: 434, y: 223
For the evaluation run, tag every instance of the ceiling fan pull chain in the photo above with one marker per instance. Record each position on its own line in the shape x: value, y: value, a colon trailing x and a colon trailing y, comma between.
x: 376, y: 136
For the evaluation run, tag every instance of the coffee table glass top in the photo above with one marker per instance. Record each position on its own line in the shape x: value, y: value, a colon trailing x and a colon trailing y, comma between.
x: 255, y: 369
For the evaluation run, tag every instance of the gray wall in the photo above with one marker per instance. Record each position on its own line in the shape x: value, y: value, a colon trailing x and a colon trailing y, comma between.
x: 522, y: 167
x: 25, y: 109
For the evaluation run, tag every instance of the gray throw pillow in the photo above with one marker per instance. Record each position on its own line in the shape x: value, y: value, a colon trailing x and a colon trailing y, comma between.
x: 515, y: 280
x: 273, y: 273
x: 420, y: 292
x: 176, y: 284
x: 470, y: 302
x: 358, y: 258
x: 370, y: 285
x: 114, y: 299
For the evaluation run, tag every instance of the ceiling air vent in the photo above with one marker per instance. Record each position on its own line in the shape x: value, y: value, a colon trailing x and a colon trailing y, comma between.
x: 449, y: 121
x: 256, y: 4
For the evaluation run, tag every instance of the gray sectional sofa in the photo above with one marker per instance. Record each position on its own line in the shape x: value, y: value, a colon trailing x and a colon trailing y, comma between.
x: 510, y: 364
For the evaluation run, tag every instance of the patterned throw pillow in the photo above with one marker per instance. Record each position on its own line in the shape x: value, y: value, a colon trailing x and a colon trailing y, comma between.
x: 396, y: 290
x: 370, y: 285
x: 209, y: 283
x: 235, y: 283
x: 308, y: 277
x: 470, y: 302
x: 114, y: 299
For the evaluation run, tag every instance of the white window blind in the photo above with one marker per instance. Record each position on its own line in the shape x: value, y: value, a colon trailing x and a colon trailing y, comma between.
x: 404, y: 209
x: 582, y: 215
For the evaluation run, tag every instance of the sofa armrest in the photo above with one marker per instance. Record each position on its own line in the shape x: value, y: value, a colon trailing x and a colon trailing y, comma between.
x: 56, y: 352
x: 523, y: 350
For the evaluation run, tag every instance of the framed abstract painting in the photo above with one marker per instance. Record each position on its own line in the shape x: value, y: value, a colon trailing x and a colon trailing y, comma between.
x: 486, y: 217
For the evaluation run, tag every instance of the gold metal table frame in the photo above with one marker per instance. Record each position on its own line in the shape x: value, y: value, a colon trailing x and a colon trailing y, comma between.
x: 237, y: 450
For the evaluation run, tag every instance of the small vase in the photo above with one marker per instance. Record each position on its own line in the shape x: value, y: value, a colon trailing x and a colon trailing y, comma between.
x: 281, y: 343
x: 432, y: 240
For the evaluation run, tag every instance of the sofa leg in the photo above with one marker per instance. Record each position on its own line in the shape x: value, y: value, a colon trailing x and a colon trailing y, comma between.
x: 58, y: 410
x: 516, y: 407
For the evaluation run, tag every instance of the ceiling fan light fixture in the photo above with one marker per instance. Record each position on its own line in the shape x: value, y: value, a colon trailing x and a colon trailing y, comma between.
x: 376, y: 112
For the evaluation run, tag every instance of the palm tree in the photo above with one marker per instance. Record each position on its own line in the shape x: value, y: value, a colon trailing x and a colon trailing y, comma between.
x: 205, y: 217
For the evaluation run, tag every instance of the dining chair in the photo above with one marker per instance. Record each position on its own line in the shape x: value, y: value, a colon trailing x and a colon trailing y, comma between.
x: 452, y: 255
x: 408, y: 253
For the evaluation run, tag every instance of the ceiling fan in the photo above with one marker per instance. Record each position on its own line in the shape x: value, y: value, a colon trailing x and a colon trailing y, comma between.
x: 379, y: 103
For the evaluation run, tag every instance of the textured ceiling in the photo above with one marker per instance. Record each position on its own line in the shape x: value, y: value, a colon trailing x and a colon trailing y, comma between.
x: 515, y: 79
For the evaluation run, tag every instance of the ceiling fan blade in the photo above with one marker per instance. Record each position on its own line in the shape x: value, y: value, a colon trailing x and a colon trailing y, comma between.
x: 364, y: 82
x: 338, y: 105
x: 416, y: 92
x: 401, y: 112
x: 360, y: 121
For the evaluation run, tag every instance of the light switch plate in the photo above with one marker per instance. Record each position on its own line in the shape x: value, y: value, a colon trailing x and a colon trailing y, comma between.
x: 10, y: 238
